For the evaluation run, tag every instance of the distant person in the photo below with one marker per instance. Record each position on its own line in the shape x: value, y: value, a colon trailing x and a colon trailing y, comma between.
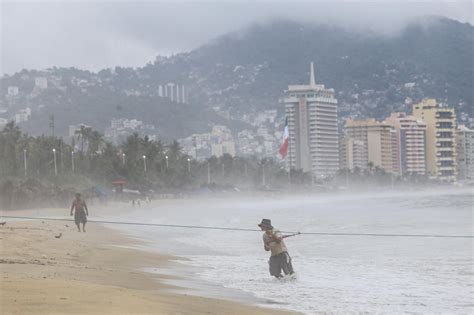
x: 273, y: 241
x: 81, y: 212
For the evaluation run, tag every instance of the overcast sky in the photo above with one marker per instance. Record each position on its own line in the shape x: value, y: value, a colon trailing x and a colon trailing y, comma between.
x: 99, y: 34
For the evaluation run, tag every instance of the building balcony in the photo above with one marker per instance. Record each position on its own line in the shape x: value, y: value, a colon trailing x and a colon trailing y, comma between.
x: 447, y: 168
x: 446, y: 158
x: 444, y: 129
x: 444, y: 119
x: 444, y: 149
x: 323, y: 118
x: 445, y: 144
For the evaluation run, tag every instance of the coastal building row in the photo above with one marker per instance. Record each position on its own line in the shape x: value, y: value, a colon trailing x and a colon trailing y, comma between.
x: 423, y: 143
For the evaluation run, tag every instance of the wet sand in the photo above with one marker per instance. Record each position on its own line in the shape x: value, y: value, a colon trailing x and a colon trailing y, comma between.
x: 89, y: 273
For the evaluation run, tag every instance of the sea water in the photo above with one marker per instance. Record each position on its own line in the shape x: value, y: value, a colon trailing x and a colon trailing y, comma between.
x: 335, y: 274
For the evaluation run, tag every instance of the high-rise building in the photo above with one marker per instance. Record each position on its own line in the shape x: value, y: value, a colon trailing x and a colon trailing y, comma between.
x: 465, y: 152
x: 410, y: 142
x: 375, y: 145
x: 353, y: 154
x: 312, y: 124
x: 440, y: 138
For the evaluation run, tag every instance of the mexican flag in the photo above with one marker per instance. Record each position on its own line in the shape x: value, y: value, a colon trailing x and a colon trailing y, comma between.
x: 284, y: 141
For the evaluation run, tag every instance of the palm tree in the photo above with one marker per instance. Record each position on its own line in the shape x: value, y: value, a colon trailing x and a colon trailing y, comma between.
x: 83, y: 134
x: 174, y: 149
x: 95, y: 140
x: 10, y: 137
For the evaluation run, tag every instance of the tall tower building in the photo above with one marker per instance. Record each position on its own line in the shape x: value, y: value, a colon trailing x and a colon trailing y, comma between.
x: 375, y: 144
x: 312, y: 124
x: 440, y: 138
x: 410, y: 142
x: 465, y: 152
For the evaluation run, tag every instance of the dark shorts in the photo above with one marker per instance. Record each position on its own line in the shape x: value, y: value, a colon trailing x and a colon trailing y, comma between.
x: 80, y: 217
x: 280, y: 262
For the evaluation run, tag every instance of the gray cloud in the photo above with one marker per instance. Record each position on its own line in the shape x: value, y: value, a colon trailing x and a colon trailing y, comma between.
x: 99, y: 34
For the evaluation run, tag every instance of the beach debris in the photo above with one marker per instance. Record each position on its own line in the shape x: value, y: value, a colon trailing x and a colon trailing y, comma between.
x: 3, y: 223
x: 59, y: 235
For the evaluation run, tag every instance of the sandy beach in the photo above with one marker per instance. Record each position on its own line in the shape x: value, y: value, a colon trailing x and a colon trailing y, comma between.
x: 89, y: 273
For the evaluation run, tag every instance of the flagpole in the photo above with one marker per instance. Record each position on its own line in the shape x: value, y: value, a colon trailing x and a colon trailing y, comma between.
x: 289, y: 163
x: 285, y: 148
x: 289, y: 152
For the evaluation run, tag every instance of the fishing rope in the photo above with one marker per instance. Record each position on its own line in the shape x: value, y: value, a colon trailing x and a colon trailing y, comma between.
x: 242, y: 229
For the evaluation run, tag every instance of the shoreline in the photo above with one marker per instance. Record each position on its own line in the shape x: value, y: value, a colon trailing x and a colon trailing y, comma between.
x: 95, y: 272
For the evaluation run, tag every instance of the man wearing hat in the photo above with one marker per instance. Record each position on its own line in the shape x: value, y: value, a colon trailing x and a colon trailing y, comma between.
x: 273, y: 241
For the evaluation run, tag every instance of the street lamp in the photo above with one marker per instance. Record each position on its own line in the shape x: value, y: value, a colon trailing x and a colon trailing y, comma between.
x: 144, y: 163
x: 72, y: 162
x: 167, y: 165
x: 55, y: 165
x: 24, y: 162
x: 189, y: 165
x: 123, y: 158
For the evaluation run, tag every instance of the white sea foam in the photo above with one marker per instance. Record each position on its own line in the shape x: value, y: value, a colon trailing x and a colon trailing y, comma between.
x: 335, y: 274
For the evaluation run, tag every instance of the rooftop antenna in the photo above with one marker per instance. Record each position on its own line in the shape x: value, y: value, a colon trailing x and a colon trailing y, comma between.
x: 312, y: 81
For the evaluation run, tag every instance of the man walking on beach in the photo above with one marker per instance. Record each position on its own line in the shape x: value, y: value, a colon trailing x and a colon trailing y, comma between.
x: 273, y: 241
x: 81, y: 212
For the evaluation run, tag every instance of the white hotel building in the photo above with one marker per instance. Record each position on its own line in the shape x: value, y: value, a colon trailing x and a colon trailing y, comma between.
x: 311, y: 111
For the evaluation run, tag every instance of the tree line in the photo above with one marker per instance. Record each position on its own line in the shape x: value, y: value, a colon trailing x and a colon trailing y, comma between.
x: 46, y: 168
x: 143, y: 163
x: 147, y: 164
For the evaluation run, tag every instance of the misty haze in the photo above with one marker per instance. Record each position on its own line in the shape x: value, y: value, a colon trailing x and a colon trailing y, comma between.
x: 236, y: 157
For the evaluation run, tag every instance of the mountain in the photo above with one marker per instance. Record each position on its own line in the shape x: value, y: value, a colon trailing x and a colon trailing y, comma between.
x: 372, y: 74
x: 247, y: 71
x: 73, y: 97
